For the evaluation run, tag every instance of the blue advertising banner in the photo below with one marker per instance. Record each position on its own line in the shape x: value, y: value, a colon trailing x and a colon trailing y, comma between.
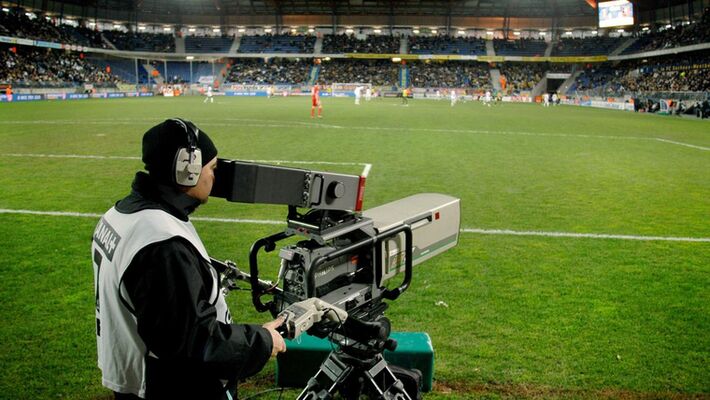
x: 71, y: 96
x: 257, y: 93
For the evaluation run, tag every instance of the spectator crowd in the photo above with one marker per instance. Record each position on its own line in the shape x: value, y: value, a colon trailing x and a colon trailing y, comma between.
x: 38, y: 67
x: 376, y: 72
x: 522, y: 76
x: 344, y: 43
x: 455, y: 74
x: 677, y: 73
x: 256, y: 71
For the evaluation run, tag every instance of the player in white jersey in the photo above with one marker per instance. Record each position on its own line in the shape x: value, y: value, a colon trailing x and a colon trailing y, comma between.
x: 368, y: 94
x: 358, y: 94
x: 453, y: 96
x: 555, y: 99
x: 487, y: 98
x: 546, y: 99
x: 208, y: 95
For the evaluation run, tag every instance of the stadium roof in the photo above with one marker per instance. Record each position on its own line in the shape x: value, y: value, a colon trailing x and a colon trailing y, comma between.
x: 483, y: 8
x: 245, y: 11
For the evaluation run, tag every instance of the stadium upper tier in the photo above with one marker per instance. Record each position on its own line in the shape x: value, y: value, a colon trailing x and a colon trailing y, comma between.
x: 16, y: 24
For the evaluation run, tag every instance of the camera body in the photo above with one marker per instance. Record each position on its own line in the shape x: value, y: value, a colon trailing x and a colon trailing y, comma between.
x: 347, y: 258
x: 351, y: 267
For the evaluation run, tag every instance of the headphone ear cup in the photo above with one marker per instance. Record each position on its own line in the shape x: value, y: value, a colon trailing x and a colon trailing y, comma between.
x: 188, y: 166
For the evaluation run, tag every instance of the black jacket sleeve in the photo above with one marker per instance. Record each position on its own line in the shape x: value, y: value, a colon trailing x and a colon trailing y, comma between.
x: 169, y: 286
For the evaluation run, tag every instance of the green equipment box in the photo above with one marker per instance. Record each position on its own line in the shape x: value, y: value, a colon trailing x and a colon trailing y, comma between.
x: 305, y: 354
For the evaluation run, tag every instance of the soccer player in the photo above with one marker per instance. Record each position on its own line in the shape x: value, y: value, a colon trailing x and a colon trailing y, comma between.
x: 368, y: 94
x: 209, y: 95
x: 358, y: 94
x: 555, y: 99
x: 452, y: 94
x: 546, y: 99
x: 315, y: 101
x: 405, y: 96
x: 487, y: 98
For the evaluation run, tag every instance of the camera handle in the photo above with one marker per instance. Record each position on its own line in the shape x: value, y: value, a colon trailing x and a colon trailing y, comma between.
x: 407, y: 229
x: 377, y: 240
x: 269, y: 244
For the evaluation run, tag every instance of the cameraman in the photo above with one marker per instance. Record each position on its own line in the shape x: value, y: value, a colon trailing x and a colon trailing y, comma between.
x: 163, y: 327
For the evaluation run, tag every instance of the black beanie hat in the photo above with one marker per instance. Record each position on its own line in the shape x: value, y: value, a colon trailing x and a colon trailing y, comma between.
x: 161, y: 143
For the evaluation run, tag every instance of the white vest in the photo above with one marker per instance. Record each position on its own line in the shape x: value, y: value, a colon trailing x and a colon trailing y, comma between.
x: 117, y: 239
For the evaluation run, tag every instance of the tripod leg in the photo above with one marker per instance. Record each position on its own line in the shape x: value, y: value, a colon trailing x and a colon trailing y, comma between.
x: 331, y: 375
x: 383, y: 383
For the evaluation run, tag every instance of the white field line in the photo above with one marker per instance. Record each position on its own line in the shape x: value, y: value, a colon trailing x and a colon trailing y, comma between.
x: 506, y: 232
x: 365, y: 171
x: 684, y: 144
x: 262, y: 123
x: 583, y: 235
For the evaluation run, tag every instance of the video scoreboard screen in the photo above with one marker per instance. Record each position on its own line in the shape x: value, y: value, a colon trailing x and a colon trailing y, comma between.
x: 616, y: 13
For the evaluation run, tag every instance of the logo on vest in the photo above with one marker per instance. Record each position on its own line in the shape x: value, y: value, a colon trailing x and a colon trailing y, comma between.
x: 106, y: 238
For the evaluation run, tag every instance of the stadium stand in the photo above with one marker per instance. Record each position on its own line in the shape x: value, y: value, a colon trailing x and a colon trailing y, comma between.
x: 677, y: 73
x: 522, y: 76
x: 463, y: 74
x: 339, y: 44
x: 520, y: 47
x: 82, y: 36
x: 593, y: 76
x: 446, y: 45
x: 137, y: 41
x: 590, y: 46
x: 17, y: 23
x: 178, y: 72
x: 275, y: 71
x: 376, y: 72
x: 124, y: 69
x: 277, y: 44
x: 208, y: 44
x: 682, y: 35
x: 37, y: 67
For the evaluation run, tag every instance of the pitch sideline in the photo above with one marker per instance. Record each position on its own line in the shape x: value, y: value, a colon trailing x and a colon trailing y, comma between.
x: 259, y: 123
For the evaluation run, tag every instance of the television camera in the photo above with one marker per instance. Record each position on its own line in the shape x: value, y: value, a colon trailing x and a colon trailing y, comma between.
x: 333, y: 283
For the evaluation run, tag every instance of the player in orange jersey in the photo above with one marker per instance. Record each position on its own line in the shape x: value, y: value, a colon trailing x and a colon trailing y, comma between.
x: 315, y: 101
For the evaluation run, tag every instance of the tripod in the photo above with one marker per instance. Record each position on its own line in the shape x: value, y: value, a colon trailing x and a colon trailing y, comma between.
x: 354, y: 371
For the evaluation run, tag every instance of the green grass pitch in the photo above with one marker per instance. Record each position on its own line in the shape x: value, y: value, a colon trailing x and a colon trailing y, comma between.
x: 528, y: 316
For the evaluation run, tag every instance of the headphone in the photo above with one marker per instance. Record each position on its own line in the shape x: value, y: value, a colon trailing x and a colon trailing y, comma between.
x: 188, y: 160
